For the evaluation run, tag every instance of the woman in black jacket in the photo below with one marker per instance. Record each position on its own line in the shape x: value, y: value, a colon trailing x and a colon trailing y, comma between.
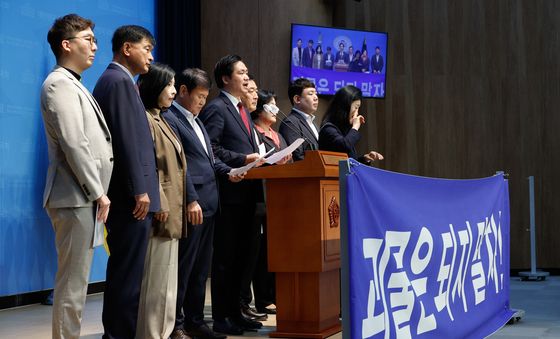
x: 341, y: 125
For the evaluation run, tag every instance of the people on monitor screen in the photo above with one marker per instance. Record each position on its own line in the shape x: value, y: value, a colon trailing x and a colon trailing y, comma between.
x: 318, y: 58
x: 363, y: 62
x: 354, y: 64
x: 377, y: 61
x: 308, y: 53
x: 328, y: 59
x: 297, y: 53
x: 341, y: 56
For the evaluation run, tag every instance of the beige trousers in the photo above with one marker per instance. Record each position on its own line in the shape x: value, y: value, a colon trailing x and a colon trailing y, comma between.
x: 73, y: 229
x: 158, y: 296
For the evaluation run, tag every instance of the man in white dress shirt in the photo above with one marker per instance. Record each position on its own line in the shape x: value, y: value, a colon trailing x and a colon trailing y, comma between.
x: 195, y: 252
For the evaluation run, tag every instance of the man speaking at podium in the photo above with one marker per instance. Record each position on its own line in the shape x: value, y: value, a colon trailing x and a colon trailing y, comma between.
x: 230, y: 130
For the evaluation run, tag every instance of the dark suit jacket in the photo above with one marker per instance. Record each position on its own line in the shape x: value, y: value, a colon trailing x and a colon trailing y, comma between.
x: 269, y: 143
x: 294, y: 126
x: 376, y: 66
x: 363, y: 65
x: 331, y: 138
x: 354, y: 66
x: 231, y: 142
x: 134, y: 170
x: 328, y: 56
x: 345, y: 57
x: 201, y: 183
x: 307, y: 57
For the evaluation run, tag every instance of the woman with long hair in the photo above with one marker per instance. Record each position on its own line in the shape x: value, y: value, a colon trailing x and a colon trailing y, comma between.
x: 341, y: 125
x: 318, y: 58
x: 156, y: 315
x: 363, y: 63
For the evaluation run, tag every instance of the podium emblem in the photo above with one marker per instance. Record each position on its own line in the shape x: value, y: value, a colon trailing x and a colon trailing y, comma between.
x: 334, y: 213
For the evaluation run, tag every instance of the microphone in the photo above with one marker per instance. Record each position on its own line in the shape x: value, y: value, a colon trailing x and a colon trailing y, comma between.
x: 275, y: 110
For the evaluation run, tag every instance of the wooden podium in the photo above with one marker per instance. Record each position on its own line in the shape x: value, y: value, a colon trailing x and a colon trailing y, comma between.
x: 340, y: 67
x: 302, y: 201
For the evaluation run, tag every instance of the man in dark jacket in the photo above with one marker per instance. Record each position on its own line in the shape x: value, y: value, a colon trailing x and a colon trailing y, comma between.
x: 299, y: 123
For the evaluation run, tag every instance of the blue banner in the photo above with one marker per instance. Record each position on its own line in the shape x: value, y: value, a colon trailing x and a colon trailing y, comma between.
x: 428, y: 258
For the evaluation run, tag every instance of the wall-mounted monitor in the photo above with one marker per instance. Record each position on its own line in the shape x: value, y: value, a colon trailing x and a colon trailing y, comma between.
x: 335, y: 57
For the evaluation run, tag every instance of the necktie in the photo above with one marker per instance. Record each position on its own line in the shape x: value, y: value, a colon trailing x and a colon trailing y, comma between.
x: 244, y: 117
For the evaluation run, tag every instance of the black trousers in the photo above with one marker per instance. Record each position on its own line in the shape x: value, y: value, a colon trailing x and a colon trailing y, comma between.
x: 231, y: 252
x: 128, y: 241
x: 195, y: 255
x: 264, y: 282
x: 254, y: 246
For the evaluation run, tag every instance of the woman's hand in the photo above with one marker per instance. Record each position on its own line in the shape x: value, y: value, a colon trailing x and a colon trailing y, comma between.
x: 161, y: 216
x: 357, y: 120
x: 372, y: 156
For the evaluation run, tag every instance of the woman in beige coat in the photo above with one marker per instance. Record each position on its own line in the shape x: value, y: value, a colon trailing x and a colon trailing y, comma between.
x: 156, y: 315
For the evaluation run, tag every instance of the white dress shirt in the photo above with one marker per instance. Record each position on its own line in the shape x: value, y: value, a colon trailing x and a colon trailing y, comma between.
x: 309, y: 119
x: 235, y: 101
x: 191, y: 119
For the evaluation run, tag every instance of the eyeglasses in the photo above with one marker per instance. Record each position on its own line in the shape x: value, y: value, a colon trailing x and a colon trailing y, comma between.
x: 90, y: 38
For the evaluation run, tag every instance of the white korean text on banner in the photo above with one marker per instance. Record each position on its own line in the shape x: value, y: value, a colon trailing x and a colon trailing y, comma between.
x: 428, y: 258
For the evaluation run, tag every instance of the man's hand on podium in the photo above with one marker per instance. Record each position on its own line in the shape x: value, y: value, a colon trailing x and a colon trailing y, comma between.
x: 249, y: 158
x: 285, y: 160
x: 256, y: 157
x: 237, y: 178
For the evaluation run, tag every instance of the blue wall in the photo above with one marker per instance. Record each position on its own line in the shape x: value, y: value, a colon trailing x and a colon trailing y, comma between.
x: 27, y: 251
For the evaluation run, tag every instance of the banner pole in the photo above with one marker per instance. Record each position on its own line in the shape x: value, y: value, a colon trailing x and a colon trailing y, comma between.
x: 534, y: 274
x: 343, y: 172
x: 532, y: 225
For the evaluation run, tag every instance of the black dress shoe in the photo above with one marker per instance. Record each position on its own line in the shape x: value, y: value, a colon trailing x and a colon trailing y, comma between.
x: 266, y: 310
x: 203, y: 332
x: 247, y: 324
x: 252, y: 314
x: 227, y: 326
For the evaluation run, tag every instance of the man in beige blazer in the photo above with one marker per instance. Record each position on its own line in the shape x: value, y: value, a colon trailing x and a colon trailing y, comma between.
x: 80, y: 166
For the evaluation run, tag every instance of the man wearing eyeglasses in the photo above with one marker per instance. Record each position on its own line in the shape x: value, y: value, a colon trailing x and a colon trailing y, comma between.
x: 80, y: 166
